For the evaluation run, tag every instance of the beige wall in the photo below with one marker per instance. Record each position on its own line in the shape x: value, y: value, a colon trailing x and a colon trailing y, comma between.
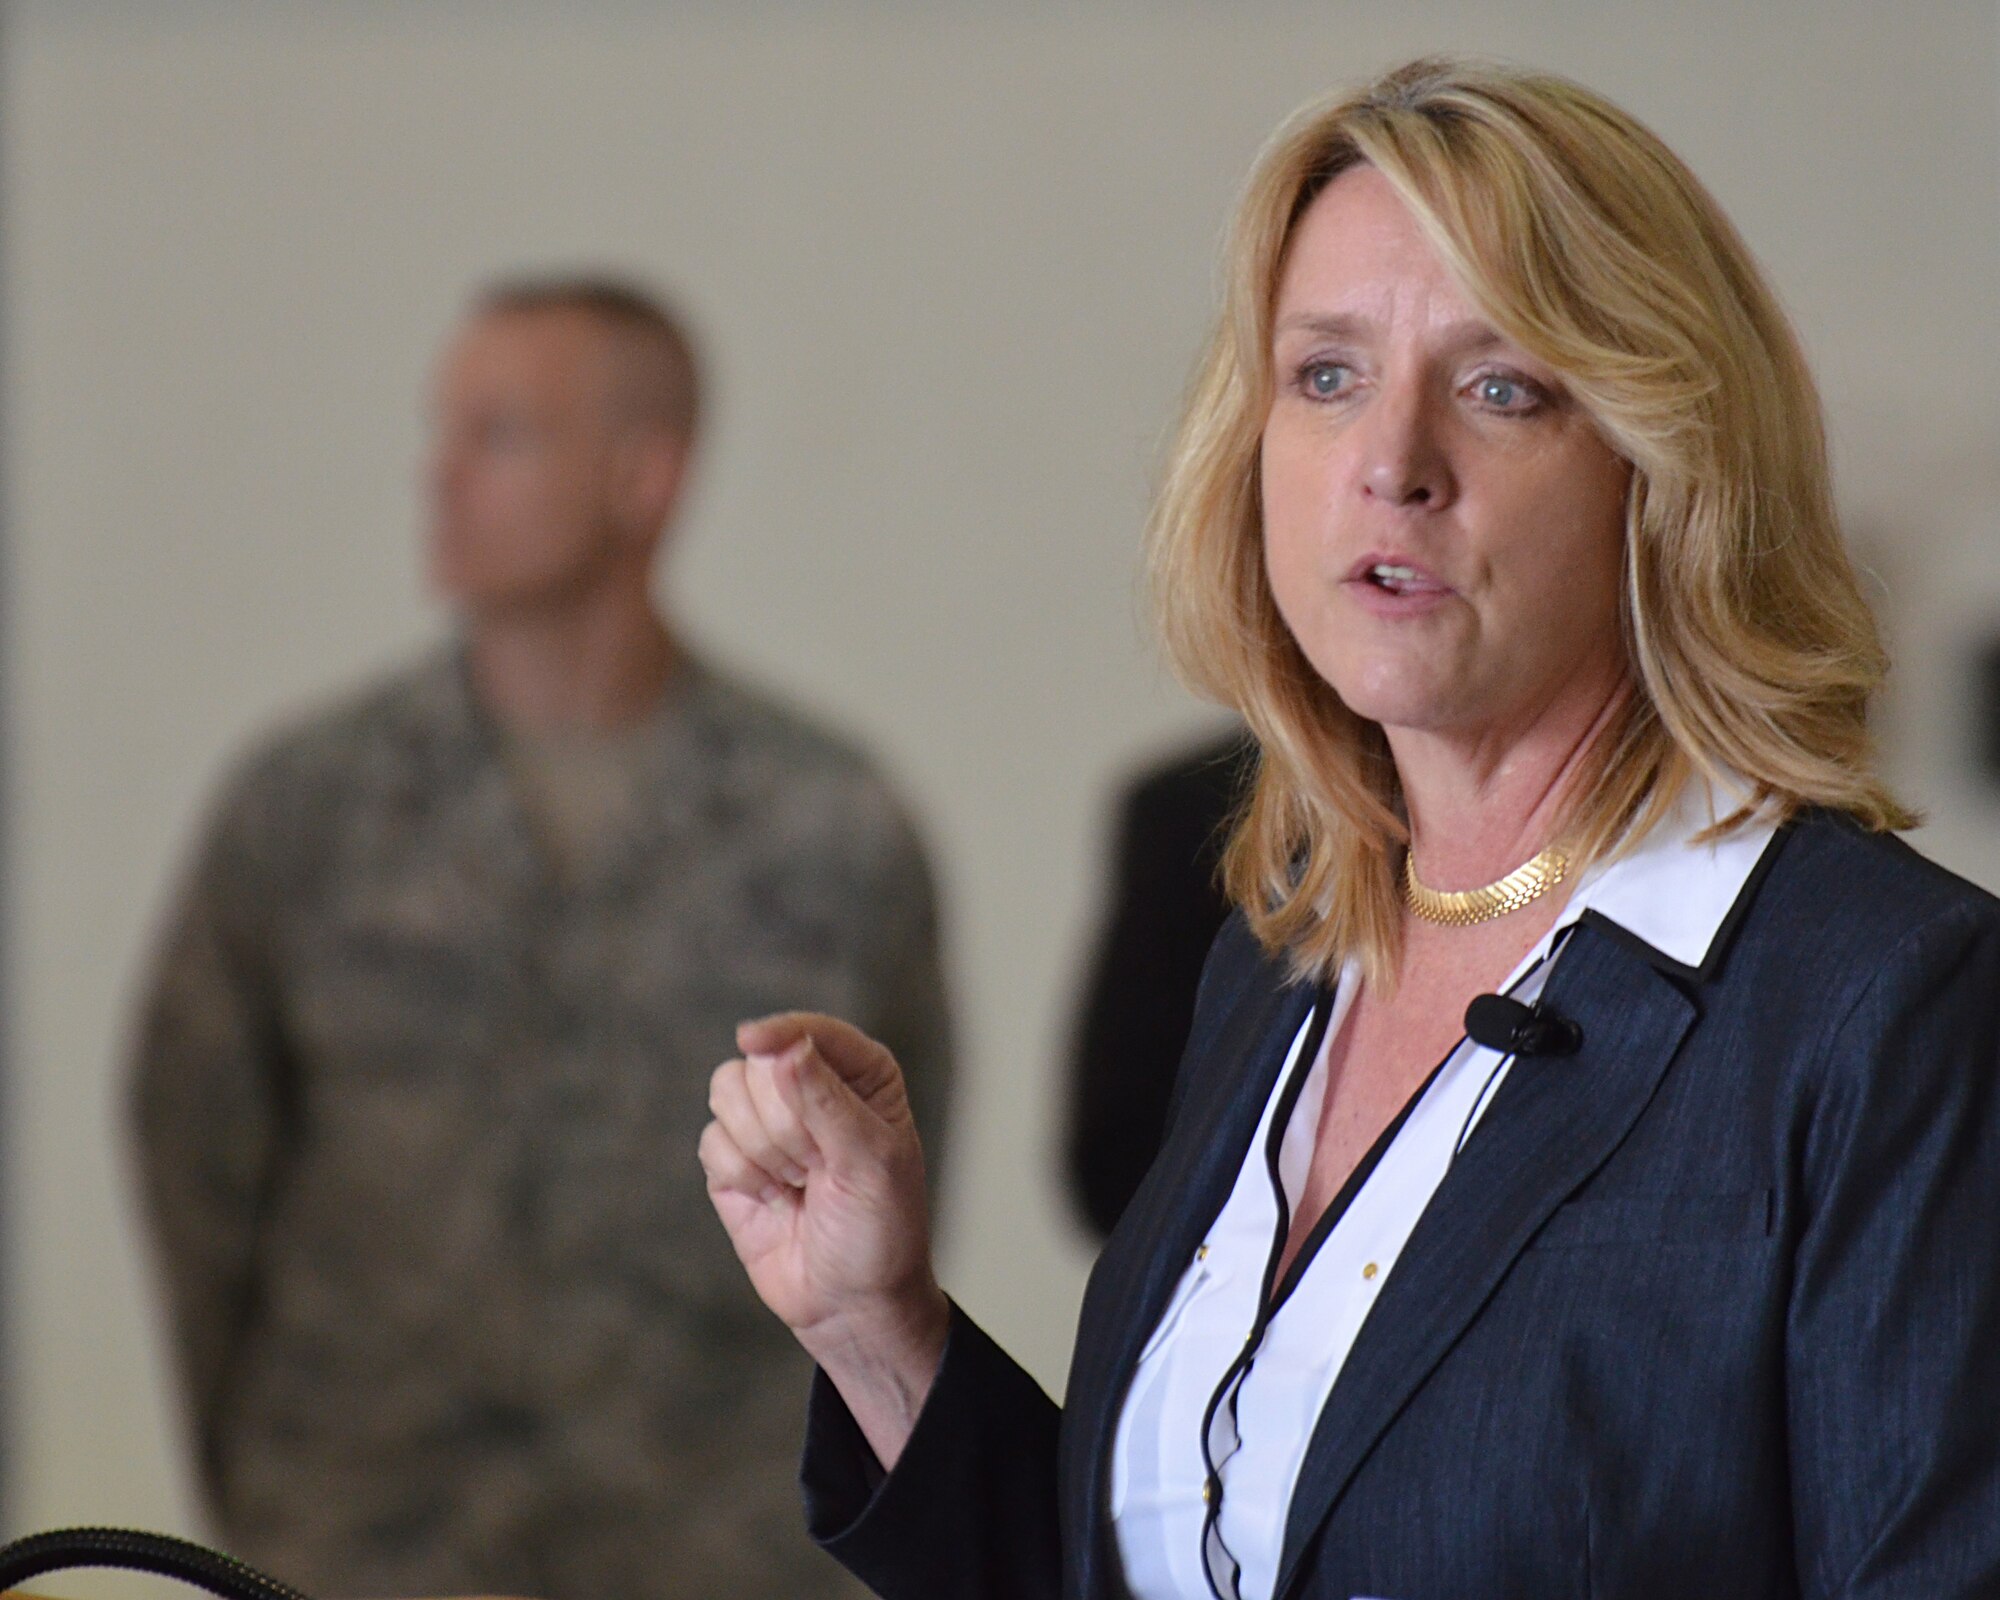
x: 952, y: 270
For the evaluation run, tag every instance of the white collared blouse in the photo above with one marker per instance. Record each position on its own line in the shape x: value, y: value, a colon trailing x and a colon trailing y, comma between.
x: 1232, y: 1380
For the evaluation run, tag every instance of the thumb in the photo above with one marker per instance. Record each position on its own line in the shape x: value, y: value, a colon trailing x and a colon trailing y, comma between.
x: 838, y: 1120
x: 863, y: 1063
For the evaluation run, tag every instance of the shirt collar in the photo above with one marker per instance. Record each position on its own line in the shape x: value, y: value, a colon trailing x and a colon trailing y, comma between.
x: 1670, y: 892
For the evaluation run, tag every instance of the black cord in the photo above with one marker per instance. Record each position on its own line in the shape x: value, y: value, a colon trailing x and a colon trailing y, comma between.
x: 137, y: 1552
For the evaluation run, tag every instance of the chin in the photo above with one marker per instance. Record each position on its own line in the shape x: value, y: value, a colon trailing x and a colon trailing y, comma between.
x: 477, y: 584
x: 1396, y: 700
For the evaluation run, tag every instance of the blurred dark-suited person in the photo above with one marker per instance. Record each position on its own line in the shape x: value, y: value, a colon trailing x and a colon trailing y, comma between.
x: 1166, y: 906
x: 428, y: 1032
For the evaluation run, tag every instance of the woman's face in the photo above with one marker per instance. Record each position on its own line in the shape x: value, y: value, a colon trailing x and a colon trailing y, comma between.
x: 1443, y: 524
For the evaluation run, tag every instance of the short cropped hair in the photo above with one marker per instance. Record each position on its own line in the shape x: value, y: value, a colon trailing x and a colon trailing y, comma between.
x: 1583, y: 239
x: 659, y: 372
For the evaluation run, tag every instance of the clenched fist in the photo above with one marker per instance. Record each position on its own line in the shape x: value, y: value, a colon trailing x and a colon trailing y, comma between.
x: 814, y: 1167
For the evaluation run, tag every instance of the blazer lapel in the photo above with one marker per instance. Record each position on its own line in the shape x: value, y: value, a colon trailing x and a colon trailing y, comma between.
x: 1553, y: 1123
x: 1154, y: 1241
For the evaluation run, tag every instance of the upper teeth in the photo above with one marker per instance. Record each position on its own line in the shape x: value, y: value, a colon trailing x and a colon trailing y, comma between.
x: 1400, y: 574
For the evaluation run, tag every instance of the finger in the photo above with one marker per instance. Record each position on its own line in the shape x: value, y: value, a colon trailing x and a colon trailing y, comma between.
x: 729, y: 1100
x: 729, y: 1171
x: 775, y: 1034
x: 846, y: 1132
x: 772, y: 1085
x: 865, y: 1063
x: 736, y: 1167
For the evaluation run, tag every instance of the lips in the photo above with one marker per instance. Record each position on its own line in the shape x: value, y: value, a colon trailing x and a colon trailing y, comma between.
x: 1395, y: 575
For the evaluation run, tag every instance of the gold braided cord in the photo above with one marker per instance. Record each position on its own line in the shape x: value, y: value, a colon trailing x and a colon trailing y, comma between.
x: 1462, y: 908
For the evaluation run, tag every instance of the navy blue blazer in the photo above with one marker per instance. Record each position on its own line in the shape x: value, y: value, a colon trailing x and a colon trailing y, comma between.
x: 1709, y: 1309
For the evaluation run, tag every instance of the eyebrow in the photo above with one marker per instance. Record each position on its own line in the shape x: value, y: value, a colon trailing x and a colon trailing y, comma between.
x: 1461, y: 338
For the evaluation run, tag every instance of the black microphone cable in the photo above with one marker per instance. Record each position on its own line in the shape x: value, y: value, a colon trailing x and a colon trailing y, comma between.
x: 156, y: 1553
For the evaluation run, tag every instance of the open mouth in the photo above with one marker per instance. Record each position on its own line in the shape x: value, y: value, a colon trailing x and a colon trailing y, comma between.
x: 1393, y: 578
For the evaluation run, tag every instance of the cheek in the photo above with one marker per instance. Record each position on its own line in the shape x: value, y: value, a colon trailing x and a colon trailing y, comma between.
x: 1289, y: 572
x: 1293, y: 509
x: 1596, y: 553
x: 1290, y: 477
x: 1567, y: 540
x: 496, y: 488
x: 529, y: 503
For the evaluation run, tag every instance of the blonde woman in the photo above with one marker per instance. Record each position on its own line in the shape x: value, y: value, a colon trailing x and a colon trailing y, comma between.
x: 1585, y: 1170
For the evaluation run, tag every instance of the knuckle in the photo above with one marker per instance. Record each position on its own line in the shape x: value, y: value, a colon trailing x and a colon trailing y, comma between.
x: 718, y: 1148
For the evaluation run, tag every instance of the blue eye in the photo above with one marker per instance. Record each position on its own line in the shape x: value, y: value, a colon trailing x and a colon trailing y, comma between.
x: 1503, y: 393
x: 1324, y: 379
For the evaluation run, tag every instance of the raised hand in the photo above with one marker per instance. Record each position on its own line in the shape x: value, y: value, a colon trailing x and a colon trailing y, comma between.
x: 814, y: 1167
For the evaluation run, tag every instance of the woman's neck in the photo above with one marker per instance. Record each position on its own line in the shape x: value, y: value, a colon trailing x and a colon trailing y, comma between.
x: 1478, y: 808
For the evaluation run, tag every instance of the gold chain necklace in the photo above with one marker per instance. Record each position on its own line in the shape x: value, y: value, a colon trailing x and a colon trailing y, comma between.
x: 1461, y: 908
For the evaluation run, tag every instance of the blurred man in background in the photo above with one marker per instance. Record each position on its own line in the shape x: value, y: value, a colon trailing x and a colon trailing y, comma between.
x: 423, y: 1061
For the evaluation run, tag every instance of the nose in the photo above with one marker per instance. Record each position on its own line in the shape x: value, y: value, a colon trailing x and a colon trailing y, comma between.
x: 1404, y: 461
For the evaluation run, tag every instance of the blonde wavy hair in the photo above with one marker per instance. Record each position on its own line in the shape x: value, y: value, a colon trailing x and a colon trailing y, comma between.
x: 1587, y: 242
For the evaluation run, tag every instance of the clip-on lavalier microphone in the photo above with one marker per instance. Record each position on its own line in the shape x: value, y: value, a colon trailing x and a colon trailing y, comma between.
x: 1515, y: 1029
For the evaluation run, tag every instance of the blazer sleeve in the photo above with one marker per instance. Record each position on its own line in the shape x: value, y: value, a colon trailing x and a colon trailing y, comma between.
x: 1893, y: 1363
x: 969, y: 1513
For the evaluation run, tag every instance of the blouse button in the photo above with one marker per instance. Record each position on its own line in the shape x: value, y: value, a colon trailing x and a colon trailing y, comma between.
x: 1369, y: 1271
x: 1201, y: 1253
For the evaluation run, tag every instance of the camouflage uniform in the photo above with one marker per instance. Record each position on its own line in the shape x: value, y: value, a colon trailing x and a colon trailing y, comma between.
x: 417, y: 1128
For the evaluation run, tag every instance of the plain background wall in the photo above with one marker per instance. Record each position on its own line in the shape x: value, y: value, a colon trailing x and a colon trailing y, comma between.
x: 951, y: 266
